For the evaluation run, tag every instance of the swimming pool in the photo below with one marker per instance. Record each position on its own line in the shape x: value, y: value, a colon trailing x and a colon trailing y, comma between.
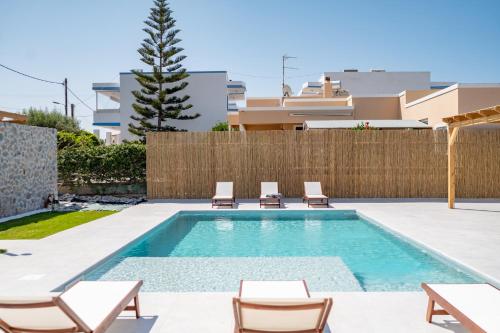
x: 331, y: 250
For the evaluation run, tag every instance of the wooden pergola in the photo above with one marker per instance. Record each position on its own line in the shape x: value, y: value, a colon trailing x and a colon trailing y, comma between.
x: 10, y: 117
x: 455, y: 123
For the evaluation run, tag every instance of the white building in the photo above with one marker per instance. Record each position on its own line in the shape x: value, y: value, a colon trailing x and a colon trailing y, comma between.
x: 211, y: 95
x: 375, y: 82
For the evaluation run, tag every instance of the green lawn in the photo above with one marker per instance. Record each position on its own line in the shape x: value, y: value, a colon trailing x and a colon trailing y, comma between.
x: 45, y: 224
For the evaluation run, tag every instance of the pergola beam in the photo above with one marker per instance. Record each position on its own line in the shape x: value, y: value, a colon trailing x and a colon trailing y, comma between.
x: 494, y: 118
x: 483, y: 116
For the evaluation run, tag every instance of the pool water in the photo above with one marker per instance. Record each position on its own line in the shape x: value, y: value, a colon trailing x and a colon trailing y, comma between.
x: 332, y: 250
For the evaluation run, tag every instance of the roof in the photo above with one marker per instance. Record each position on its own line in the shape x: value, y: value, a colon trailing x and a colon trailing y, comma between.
x: 451, y: 88
x: 189, y: 72
x: 325, y: 124
x: 12, y: 117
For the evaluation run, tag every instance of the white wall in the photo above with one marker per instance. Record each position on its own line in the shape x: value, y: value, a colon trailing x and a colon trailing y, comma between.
x: 372, y: 83
x: 208, y: 95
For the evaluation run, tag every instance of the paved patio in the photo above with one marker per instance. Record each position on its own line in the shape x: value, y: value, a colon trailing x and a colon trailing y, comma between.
x: 351, y: 312
x: 469, y: 234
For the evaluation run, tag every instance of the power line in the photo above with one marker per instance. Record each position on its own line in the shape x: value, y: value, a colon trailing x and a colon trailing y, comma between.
x: 256, y: 76
x: 52, y: 82
x: 81, y: 101
x: 30, y: 76
x: 304, y: 75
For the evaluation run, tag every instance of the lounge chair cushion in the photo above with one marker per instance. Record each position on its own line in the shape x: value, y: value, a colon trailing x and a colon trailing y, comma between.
x: 316, y: 196
x: 268, y: 188
x: 222, y: 197
x: 280, y: 320
x: 479, y: 302
x: 93, y: 301
x: 47, y: 318
x: 312, y: 188
x: 223, y: 190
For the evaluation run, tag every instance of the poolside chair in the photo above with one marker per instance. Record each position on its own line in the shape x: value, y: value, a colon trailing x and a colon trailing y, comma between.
x: 223, y: 195
x: 88, y: 306
x: 279, y: 306
x: 313, y: 194
x: 269, y: 195
x: 476, y: 306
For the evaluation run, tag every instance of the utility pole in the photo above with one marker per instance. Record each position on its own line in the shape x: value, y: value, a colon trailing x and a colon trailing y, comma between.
x: 66, y: 97
x: 283, y: 73
x: 72, y: 111
x: 284, y: 58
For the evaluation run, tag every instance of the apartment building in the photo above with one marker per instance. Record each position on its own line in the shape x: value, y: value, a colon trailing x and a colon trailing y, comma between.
x: 404, y: 97
x: 211, y: 94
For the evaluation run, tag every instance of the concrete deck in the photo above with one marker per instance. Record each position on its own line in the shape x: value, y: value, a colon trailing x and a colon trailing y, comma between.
x: 469, y: 234
x: 351, y: 313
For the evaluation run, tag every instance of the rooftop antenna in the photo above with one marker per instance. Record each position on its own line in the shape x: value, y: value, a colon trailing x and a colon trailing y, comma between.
x: 284, y: 58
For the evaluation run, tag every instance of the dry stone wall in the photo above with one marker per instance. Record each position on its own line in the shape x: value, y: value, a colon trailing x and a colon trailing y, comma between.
x: 28, y: 167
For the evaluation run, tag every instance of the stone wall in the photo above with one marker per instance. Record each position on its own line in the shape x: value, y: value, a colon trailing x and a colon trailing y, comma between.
x: 28, y: 167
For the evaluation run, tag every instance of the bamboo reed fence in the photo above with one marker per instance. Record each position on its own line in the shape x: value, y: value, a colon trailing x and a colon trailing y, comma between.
x: 349, y: 164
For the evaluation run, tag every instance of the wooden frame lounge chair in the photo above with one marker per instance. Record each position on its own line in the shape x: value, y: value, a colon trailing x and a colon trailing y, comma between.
x: 88, y: 306
x: 313, y: 194
x: 269, y: 195
x: 476, y: 306
x: 223, y: 195
x: 279, y: 306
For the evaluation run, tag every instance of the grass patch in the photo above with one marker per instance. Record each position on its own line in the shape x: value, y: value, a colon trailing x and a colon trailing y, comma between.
x: 45, y: 224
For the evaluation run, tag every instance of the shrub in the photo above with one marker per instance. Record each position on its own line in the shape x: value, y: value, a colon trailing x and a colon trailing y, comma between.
x: 52, y: 119
x: 363, y: 126
x: 79, y: 139
x: 125, y: 162
x: 220, y: 127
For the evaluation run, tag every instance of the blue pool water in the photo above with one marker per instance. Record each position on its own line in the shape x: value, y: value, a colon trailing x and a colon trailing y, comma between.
x: 332, y: 250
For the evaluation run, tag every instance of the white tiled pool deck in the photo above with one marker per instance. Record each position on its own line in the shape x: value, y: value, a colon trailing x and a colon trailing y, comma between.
x: 469, y: 234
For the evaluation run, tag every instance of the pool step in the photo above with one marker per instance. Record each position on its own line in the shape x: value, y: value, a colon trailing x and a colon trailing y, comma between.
x: 222, y: 274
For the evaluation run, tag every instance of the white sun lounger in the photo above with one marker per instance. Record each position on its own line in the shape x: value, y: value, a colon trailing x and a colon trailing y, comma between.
x: 313, y: 194
x: 476, y: 306
x: 223, y: 195
x: 279, y: 306
x: 88, y: 306
x: 269, y: 195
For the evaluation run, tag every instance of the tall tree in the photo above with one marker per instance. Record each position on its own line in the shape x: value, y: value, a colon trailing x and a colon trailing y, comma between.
x: 159, y: 99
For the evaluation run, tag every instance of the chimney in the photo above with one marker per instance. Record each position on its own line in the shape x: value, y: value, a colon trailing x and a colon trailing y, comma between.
x: 327, y: 88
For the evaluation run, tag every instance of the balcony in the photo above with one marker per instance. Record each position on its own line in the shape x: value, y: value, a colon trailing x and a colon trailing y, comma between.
x: 109, y: 89
x: 108, y: 118
x: 236, y: 90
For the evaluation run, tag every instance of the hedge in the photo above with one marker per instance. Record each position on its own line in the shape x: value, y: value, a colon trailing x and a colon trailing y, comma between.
x: 102, y: 164
x: 82, y: 138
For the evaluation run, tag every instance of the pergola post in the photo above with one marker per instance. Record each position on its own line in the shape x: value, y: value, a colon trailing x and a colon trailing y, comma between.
x: 452, y: 151
x: 479, y: 117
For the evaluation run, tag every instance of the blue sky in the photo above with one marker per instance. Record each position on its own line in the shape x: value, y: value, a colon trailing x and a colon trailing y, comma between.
x: 93, y: 40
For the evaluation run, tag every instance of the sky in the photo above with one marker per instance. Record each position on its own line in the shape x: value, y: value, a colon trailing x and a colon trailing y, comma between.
x: 90, y: 41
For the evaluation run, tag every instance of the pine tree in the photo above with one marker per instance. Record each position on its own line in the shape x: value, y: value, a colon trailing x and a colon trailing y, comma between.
x: 159, y: 100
